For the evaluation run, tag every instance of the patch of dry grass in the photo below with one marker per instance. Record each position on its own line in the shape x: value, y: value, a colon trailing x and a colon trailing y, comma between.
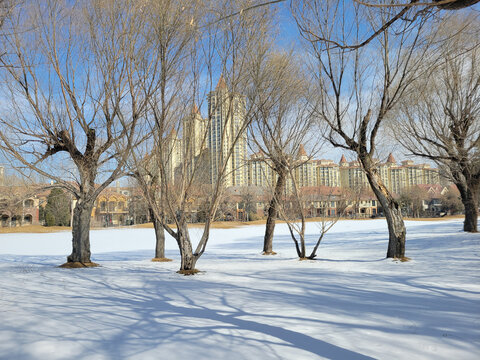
x: 78, y: 265
x: 34, y: 229
x: 216, y: 225
x: 188, y: 272
x: 161, y: 260
x: 269, y: 253
x: 448, y: 217
x: 144, y: 226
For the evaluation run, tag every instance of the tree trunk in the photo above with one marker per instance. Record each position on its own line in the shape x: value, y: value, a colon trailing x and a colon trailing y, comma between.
x: 188, y: 259
x: 273, y: 214
x: 159, y: 236
x: 396, y: 228
x: 393, y: 213
x: 313, y: 255
x: 303, y: 248
x: 160, y: 239
x: 81, y: 233
x: 469, y: 196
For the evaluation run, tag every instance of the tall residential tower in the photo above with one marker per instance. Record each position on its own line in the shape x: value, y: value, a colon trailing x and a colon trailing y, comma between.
x: 227, y: 111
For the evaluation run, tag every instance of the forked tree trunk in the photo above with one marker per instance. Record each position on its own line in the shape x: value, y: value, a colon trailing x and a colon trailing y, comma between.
x: 273, y: 214
x: 300, y: 247
x: 392, y: 210
x: 303, y: 248
x: 81, y: 232
x: 469, y: 196
x: 188, y: 259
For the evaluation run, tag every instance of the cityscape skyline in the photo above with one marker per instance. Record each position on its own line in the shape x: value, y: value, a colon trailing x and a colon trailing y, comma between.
x: 227, y: 111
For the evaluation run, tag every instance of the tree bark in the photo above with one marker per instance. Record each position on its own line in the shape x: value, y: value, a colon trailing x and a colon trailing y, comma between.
x: 159, y: 237
x: 393, y: 212
x: 81, y: 232
x: 469, y: 196
x: 273, y: 214
x: 188, y: 259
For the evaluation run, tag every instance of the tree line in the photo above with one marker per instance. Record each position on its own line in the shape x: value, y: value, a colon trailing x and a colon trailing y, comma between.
x: 93, y: 90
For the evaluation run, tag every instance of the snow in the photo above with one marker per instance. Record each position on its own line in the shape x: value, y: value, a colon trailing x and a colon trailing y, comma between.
x: 351, y: 303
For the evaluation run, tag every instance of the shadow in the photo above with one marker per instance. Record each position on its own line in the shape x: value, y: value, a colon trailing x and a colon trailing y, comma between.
x: 241, y: 308
x: 158, y: 319
x: 150, y: 309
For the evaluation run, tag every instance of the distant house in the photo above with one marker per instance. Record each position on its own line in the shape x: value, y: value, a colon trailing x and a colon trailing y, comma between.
x: 18, y: 206
x: 432, y: 197
x: 111, y: 208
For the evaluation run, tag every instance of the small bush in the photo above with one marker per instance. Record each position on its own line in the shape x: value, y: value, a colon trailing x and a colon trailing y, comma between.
x: 253, y: 216
x: 49, y: 219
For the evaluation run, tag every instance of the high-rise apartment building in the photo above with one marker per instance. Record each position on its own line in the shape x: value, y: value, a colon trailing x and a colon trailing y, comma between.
x: 417, y: 174
x: 260, y: 172
x: 173, y: 156
x: 194, y: 134
x: 306, y: 173
x: 311, y: 173
x: 392, y: 175
x: 352, y: 174
x: 227, y: 111
x: 195, y: 141
x: 328, y: 173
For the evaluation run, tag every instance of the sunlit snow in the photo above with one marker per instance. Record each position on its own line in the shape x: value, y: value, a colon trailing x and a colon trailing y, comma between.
x: 351, y: 303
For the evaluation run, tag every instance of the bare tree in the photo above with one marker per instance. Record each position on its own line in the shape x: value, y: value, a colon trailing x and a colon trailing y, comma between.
x: 281, y: 124
x: 146, y: 175
x: 188, y: 60
x: 393, y: 13
x: 452, y: 202
x: 441, y: 118
x: 248, y: 202
x: 294, y: 211
x: 79, y: 86
x: 174, y: 28
x: 6, y: 7
x: 412, y: 200
x: 358, y: 89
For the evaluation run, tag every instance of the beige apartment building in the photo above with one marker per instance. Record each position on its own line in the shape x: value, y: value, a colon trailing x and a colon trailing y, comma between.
x: 195, y: 130
x: 227, y: 111
x: 351, y: 174
x: 210, y: 140
x: 260, y: 172
x: 312, y: 173
x: 173, y: 155
x: 328, y: 173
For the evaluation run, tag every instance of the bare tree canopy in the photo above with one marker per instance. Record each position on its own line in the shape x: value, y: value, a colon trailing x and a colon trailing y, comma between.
x: 78, y: 86
x: 358, y: 89
x: 213, y: 59
x: 407, y: 14
x: 444, y: 4
x: 441, y: 118
x: 281, y: 123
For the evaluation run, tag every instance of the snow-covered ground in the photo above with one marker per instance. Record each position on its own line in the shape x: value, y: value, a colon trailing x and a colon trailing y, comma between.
x: 351, y: 303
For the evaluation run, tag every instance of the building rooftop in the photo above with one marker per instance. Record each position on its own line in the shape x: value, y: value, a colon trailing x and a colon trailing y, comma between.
x: 221, y: 85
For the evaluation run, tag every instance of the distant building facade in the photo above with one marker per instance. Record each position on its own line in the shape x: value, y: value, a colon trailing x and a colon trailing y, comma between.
x: 396, y: 177
x: 227, y: 112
